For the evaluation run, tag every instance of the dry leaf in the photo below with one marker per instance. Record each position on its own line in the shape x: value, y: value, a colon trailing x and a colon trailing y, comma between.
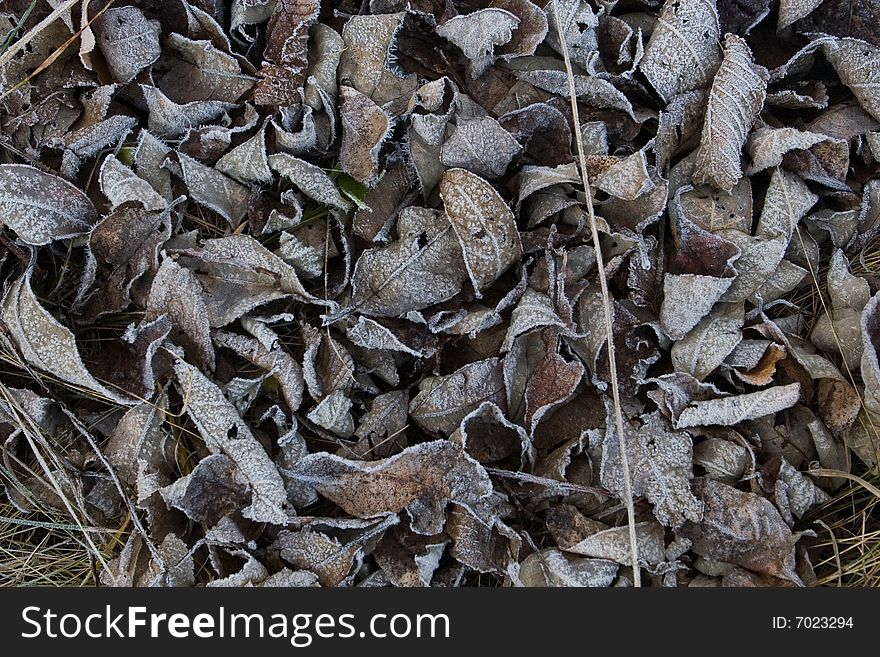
x: 422, y: 479
x: 735, y: 100
x: 483, y: 223
x: 41, y: 207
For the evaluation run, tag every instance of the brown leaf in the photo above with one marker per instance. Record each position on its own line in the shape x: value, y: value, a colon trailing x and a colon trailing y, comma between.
x: 735, y: 100
x: 422, y: 479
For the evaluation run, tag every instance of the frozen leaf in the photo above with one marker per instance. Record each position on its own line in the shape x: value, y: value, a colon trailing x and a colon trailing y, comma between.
x: 310, y: 179
x: 149, y: 156
x: 735, y: 100
x: 791, y: 11
x: 787, y: 200
x: 214, y: 190
x: 443, y: 401
x: 124, y: 245
x: 800, y: 491
x: 863, y: 438
x: 481, y: 146
x: 531, y: 31
x: 128, y: 41
x: 120, y: 185
x: 176, y: 293
x: 43, y: 342
x: 626, y: 179
x: 687, y: 298
x: 211, y: 491
x: 553, y: 382
x: 743, y: 529
x: 706, y: 346
x: 202, y: 72
x: 272, y: 359
x: 248, y: 163
x: 660, y: 468
x: 722, y: 459
x: 477, y: 34
x: 168, y: 119
x: 578, y: 23
x: 534, y: 310
x: 224, y: 432
x: 421, y: 479
x: 420, y: 269
x: 577, y: 534
x: 551, y: 567
x: 238, y: 274
x: 365, y: 127
x: 759, y: 257
x: 490, y: 437
x: 768, y: 146
x: 840, y: 330
x: 856, y: 63
x: 484, y: 225
x: 334, y: 414
x: 592, y: 90
x: 41, y: 207
x: 727, y: 411
x: 683, y: 53
x: 370, y: 334
x: 367, y: 60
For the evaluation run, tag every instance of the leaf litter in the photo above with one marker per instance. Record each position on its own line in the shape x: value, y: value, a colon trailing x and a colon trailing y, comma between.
x: 531, y: 293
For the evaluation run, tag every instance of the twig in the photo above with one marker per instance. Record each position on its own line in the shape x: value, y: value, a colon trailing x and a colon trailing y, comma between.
x: 606, y: 298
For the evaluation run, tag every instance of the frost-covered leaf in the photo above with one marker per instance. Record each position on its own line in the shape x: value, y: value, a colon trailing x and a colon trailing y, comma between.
x: 311, y: 180
x: 551, y: 567
x: 660, y: 465
x: 423, y: 267
x: 791, y: 11
x: 176, y: 293
x: 43, y: 342
x: 120, y: 185
x: 857, y: 63
x: 367, y: 60
x: 727, y: 411
x: 743, y: 529
x: 41, y: 207
x: 592, y: 90
x: 203, y: 72
x: 481, y: 146
x: 577, y: 534
x: 443, y: 401
x: 128, y: 41
x: 483, y: 223
x: 735, y: 100
x: 247, y: 162
x: 706, y: 346
x: 767, y: 146
x: 478, y: 33
x: 365, y: 126
x: 422, y: 479
x: 224, y: 432
x: 683, y: 51
x: 238, y: 274
x: 626, y: 179
x: 209, y: 187
x: 169, y: 119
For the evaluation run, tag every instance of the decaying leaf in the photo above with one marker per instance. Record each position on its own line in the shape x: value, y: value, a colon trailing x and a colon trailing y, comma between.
x: 421, y: 479
x: 683, y: 51
x: 735, y: 100
x: 41, y: 207
x: 224, y: 432
x: 483, y: 223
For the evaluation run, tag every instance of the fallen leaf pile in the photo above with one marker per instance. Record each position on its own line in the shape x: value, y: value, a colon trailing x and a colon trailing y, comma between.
x: 305, y: 294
